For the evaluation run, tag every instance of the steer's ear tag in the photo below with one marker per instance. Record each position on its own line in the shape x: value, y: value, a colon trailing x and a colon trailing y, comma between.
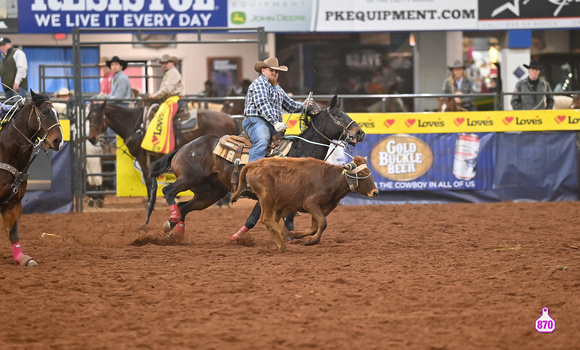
x: 545, y: 324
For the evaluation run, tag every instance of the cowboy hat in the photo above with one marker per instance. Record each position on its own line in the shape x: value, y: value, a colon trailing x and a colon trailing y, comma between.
x: 63, y: 92
x: 533, y: 64
x: 167, y: 58
x: 270, y: 62
x: 118, y: 60
x: 456, y: 64
x: 102, y: 62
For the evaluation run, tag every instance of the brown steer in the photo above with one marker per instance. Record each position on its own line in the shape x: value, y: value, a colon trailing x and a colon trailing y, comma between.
x: 307, y: 185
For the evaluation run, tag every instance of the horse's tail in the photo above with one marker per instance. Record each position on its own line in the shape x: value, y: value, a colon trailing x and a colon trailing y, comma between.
x: 158, y: 167
x: 242, y: 184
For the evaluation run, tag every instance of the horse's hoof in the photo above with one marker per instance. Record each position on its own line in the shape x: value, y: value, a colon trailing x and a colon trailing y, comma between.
x: 168, y: 226
x: 311, y: 242
x: 26, y: 260
x: 90, y: 202
x: 99, y: 203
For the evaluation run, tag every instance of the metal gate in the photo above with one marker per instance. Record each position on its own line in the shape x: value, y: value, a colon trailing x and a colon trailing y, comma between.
x: 78, y: 133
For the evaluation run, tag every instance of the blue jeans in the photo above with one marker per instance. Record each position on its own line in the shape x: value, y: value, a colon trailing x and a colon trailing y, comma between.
x: 10, y: 93
x: 260, y: 132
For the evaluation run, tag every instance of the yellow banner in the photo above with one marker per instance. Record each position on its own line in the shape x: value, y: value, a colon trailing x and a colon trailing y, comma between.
x: 130, y: 181
x: 65, y: 125
x: 460, y: 122
x: 159, y: 137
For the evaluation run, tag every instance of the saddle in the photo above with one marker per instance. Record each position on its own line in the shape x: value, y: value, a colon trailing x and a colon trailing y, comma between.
x: 236, y: 149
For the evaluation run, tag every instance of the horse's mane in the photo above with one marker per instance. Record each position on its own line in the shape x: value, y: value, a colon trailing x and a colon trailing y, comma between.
x: 39, y: 99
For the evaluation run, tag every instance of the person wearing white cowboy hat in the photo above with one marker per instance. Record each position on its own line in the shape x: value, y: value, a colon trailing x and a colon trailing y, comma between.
x: 458, y: 83
x: 120, y: 86
x: 265, y: 101
x: 172, y: 84
x: 532, y: 83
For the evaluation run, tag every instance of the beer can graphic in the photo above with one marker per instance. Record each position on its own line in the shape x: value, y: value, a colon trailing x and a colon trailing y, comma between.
x: 465, y: 162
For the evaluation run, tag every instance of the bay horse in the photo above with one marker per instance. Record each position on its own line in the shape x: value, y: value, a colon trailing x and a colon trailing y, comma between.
x: 448, y: 104
x: 129, y: 125
x: 209, y: 176
x: 24, y: 129
x: 575, y: 102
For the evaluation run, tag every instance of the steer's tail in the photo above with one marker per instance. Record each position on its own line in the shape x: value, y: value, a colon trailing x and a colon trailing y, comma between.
x: 158, y: 167
x: 242, y: 184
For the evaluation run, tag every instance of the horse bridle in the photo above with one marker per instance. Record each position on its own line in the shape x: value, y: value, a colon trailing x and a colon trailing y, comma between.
x: 345, y: 133
x: 41, y: 141
x: 21, y: 176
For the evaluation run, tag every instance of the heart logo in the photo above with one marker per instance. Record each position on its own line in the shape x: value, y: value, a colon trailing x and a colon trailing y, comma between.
x: 559, y: 119
x: 458, y: 121
x: 410, y: 122
x: 389, y: 122
x: 507, y: 120
x: 155, y: 139
x: 291, y: 123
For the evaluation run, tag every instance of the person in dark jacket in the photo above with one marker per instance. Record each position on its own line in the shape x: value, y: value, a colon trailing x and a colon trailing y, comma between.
x: 13, y: 70
x: 458, y: 83
x: 532, y: 83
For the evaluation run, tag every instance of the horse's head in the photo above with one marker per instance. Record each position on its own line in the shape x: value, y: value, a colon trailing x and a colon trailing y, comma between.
x: 446, y: 104
x: 46, y: 125
x: 97, y: 122
x: 338, y: 125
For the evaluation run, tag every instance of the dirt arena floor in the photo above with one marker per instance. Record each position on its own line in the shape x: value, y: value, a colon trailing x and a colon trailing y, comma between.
x: 459, y: 276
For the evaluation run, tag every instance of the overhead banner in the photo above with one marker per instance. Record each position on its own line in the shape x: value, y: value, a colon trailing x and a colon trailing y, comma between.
x: 51, y: 16
x: 458, y: 122
x: 380, y: 15
x: 515, y: 14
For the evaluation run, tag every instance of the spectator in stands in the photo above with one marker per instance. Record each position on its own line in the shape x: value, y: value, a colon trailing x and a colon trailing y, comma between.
x: 13, y: 70
x: 458, y: 83
x: 532, y: 83
x: 208, y: 89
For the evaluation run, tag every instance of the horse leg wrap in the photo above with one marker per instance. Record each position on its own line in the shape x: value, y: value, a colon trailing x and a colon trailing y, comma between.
x: 180, y: 228
x: 17, y: 252
x: 175, y: 214
x: 240, y: 233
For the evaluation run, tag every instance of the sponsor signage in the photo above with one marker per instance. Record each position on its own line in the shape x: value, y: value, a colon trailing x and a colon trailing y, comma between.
x: 516, y: 14
x: 394, y: 15
x: 430, y: 162
x: 274, y: 16
x: 460, y: 122
x: 60, y: 16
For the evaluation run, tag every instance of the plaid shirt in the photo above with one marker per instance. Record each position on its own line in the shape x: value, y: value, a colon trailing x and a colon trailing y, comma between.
x: 267, y: 101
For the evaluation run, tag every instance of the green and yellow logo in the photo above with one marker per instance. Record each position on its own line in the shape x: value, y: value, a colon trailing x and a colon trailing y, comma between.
x: 238, y: 17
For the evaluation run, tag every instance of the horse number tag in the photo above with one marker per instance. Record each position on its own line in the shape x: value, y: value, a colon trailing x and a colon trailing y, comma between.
x: 545, y: 324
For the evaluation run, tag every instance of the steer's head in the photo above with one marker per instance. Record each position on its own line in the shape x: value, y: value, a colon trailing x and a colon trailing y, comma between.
x: 359, y: 177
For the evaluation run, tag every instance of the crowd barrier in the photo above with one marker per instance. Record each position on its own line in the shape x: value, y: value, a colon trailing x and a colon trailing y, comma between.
x: 418, y: 158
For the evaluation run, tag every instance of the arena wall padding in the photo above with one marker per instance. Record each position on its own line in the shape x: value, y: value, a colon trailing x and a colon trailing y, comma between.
x: 60, y: 197
x: 530, y: 166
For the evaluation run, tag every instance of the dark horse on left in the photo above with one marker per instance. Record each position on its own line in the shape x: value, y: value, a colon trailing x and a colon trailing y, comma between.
x: 209, y: 176
x: 24, y: 128
x: 128, y: 124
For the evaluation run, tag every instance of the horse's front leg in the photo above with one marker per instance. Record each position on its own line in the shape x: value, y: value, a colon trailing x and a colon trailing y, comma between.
x: 11, y: 217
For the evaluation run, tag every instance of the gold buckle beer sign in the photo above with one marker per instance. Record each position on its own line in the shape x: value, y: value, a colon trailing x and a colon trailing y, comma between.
x: 402, y: 157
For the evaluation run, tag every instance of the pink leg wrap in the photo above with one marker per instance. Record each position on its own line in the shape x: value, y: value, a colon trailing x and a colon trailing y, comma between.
x: 17, y: 252
x: 175, y: 214
x: 240, y: 233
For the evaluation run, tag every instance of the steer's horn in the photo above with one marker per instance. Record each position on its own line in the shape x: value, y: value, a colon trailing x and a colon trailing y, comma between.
x: 349, y: 166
